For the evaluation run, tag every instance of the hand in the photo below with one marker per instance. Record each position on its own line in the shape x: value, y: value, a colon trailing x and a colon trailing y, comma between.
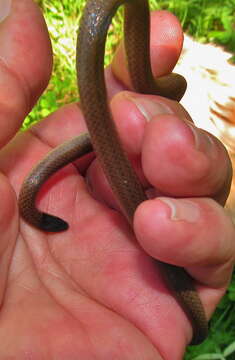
x: 92, y: 292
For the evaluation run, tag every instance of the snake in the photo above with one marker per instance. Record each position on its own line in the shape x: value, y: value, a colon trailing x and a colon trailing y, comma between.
x: 103, y: 139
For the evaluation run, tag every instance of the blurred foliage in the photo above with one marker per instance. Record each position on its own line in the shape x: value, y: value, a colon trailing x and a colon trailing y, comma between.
x: 221, y: 342
x: 206, y: 20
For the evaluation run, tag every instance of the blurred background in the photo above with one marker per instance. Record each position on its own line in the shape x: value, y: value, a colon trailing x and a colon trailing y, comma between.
x: 208, y: 64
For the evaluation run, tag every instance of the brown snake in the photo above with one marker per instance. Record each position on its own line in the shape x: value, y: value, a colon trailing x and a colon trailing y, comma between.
x: 103, y: 137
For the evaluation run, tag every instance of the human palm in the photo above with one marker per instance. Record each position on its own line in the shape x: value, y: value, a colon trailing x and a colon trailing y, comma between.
x: 92, y: 292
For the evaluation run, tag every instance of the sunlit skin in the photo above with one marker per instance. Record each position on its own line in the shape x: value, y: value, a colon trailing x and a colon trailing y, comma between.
x: 93, y: 292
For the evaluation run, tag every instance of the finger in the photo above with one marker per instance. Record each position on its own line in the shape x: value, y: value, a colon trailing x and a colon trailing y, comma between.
x: 198, y: 230
x: 177, y: 158
x: 9, y: 229
x: 166, y: 43
x: 182, y: 160
x: 24, y: 38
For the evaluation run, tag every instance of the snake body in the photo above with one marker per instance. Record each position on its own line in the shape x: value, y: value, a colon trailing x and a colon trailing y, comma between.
x: 103, y: 137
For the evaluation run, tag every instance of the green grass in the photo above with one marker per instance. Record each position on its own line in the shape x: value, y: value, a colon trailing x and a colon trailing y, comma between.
x: 206, y: 20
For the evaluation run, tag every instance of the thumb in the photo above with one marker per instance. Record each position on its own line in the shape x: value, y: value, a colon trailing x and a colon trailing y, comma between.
x: 8, y: 228
x: 23, y: 38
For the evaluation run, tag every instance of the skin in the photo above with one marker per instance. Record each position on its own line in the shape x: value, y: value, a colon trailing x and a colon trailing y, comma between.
x: 81, y: 295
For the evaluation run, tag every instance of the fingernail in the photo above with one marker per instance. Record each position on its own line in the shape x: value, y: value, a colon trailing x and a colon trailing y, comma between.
x: 182, y: 209
x: 5, y: 6
x: 148, y: 107
x: 203, y: 141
